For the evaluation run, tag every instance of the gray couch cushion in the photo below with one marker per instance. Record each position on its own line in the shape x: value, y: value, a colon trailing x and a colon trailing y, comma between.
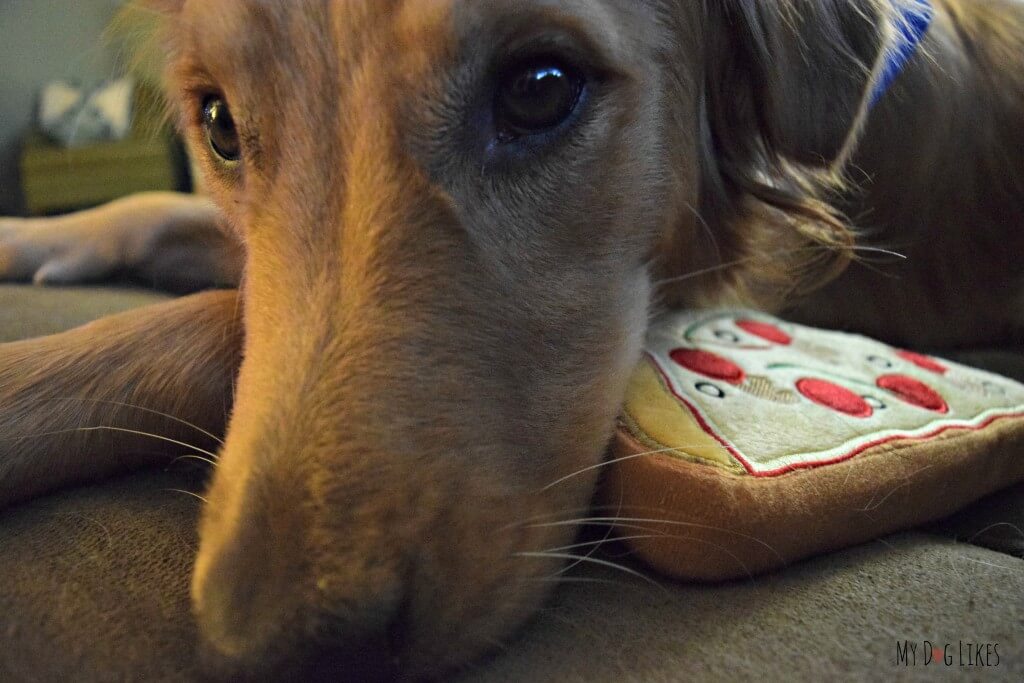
x: 32, y: 311
x: 94, y: 587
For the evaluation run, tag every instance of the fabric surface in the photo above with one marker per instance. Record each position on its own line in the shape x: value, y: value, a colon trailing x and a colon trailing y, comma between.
x: 93, y: 587
x: 769, y: 397
x: 32, y: 312
x: 94, y: 583
x: 755, y: 442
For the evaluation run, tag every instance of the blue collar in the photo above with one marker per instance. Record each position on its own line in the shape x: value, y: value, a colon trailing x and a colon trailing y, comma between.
x: 912, y: 21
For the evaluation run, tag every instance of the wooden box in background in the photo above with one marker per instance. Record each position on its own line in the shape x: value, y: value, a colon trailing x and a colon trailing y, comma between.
x: 57, y: 179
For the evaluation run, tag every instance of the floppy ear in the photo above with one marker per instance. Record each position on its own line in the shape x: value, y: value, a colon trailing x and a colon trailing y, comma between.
x: 786, y: 90
x: 804, y: 65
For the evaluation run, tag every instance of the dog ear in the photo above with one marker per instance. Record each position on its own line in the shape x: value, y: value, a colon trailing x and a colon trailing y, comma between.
x: 797, y: 72
x: 787, y: 84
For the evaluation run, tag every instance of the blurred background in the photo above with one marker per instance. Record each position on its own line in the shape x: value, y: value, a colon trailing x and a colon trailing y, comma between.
x: 57, y: 58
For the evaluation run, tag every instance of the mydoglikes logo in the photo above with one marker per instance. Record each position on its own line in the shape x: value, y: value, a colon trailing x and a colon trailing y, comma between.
x: 961, y: 654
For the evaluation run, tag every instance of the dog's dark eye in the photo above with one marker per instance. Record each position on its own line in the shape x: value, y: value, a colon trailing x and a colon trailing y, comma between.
x: 536, y: 97
x: 220, y: 129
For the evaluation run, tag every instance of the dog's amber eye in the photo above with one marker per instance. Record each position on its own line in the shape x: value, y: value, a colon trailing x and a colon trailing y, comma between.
x: 536, y: 97
x: 220, y: 129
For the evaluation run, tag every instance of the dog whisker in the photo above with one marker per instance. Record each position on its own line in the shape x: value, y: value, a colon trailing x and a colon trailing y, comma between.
x: 606, y: 539
x: 638, y: 522
x: 993, y: 565
x: 593, y: 549
x: 706, y: 227
x: 189, y: 493
x: 208, y: 461
x: 998, y: 525
x: 785, y: 252
x: 124, y: 430
x: 591, y: 560
x: 141, y: 409
x: 576, y: 511
x: 613, y: 461
x: 523, y: 523
x: 720, y: 548
x: 874, y: 504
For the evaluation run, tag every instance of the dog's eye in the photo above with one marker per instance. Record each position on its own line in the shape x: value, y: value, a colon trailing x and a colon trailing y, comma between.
x: 220, y: 129
x: 536, y: 97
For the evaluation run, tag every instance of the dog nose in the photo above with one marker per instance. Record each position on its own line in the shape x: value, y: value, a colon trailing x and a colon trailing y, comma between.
x: 248, y: 646
x: 261, y: 617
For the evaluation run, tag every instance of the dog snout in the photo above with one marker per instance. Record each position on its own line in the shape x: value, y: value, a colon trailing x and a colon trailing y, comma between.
x: 241, y: 643
x: 261, y: 612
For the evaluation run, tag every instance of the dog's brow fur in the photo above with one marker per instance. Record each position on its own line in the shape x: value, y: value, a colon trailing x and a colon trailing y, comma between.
x: 431, y: 337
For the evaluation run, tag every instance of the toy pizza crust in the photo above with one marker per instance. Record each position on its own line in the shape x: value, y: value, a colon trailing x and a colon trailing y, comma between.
x: 747, y: 443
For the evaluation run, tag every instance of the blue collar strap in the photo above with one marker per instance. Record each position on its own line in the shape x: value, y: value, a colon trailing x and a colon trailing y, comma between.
x: 912, y: 21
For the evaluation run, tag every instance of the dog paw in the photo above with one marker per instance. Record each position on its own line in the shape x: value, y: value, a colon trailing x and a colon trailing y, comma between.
x: 8, y: 226
x: 15, y: 259
x: 45, y: 253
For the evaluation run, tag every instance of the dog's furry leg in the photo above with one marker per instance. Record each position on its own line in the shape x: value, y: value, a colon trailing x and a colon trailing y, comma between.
x: 170, y: 241
x: 163, y: 373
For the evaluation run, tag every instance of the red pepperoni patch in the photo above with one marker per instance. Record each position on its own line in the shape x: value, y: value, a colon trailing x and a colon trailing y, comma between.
x: 710, y: 365
x: 923, y: 362
x: 839, y: 399
x: 914, y: 392
x: 765, y: 331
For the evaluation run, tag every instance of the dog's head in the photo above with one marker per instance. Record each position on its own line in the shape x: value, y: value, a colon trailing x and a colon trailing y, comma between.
x: 454, y: 213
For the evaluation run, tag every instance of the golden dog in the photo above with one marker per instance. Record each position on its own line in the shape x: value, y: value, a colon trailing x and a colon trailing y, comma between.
x: 451, y: 221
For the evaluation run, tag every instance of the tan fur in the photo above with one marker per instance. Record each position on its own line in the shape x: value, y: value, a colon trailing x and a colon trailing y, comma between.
x: 430, y: 342
x: 52, y: 388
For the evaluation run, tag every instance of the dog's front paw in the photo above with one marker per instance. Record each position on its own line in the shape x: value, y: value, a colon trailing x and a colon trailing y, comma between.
x: 52, y: 252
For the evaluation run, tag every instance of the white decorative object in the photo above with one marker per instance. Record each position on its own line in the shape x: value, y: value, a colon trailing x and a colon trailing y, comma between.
x: 75, y: 117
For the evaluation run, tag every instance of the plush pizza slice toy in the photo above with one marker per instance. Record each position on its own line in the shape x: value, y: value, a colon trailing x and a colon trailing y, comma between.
x: 748, y: 443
